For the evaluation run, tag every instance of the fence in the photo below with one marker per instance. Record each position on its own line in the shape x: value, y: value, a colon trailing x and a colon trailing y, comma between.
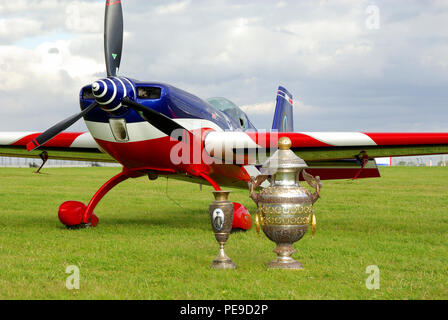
x: 6, y: 162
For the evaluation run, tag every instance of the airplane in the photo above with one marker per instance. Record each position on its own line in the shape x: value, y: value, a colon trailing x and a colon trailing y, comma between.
x: 154, y: 129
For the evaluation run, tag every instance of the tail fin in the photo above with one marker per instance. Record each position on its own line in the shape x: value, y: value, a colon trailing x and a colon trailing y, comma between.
x: 283, y: 117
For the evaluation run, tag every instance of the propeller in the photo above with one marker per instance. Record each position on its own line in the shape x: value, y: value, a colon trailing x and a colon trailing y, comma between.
x: 58, y: 128
x: 157, y: 119
x: 113, y: 36
x: 114, y: 92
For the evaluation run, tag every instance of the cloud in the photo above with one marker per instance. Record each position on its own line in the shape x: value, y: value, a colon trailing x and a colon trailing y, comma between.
x: 82, y: 17
x: 17, y: 28
x: 268, y: 108
x: 22, y: 67
x: 38, y: 87
x: 344, y: 76
x: 172, y: 8
x: 259, y: 108
x: 53, y: 51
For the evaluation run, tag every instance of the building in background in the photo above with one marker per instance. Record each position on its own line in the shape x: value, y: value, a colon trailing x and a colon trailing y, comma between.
x: 35, y: 163
x: 421, y: 161
x: 384, y: 162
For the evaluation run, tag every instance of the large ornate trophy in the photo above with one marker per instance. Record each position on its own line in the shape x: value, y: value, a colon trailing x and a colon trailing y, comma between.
x: 285, y: 209
x: 221, y: 217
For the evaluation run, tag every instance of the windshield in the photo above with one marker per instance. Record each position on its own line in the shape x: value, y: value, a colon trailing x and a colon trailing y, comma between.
x: 231, y: 109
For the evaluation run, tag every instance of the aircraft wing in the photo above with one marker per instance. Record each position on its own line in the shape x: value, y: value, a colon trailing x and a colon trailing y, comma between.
x: 331, y: 155
x: 78, y: 146
x: 325, y: 146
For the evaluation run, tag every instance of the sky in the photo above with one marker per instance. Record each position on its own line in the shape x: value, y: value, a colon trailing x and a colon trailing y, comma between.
x: 351, y: 65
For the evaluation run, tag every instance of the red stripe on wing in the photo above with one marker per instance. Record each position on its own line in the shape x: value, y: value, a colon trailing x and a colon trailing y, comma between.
x: 62, y: 140
x: 299, y: 140
x: 303, y: 141
x: 389, y: 139
x: 25, y: 140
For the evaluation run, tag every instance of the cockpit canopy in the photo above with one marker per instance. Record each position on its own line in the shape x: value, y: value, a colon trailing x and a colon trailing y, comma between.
x: 231, y: 110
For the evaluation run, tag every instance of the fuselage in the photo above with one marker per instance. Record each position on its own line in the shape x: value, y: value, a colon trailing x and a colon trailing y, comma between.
x: 132, y: 141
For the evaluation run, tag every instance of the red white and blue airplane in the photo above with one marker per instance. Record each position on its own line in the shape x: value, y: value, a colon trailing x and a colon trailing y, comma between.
x: 141, y: 125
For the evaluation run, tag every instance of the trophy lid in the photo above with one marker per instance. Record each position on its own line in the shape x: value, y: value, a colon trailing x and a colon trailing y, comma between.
x: 283, y: 158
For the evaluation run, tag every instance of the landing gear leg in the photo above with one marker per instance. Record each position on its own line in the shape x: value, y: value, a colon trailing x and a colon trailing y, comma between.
x: 76, y: 215
x: 364, y: 159
x: 44, y: 157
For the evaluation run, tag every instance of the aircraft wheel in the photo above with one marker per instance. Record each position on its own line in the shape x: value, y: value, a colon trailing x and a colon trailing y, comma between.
x: 237, y: 230
x: 241, y: 217
x: 71, y: 213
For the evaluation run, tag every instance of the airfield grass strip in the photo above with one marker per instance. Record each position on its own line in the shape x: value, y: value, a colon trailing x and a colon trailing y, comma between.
x: 150, y: 247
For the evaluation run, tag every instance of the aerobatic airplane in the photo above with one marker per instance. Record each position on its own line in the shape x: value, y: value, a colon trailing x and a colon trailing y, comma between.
x: 154, y: 129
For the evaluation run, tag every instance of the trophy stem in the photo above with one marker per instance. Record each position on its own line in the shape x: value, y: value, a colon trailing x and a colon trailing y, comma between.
x: 284, y: 260
x: 222, y: 261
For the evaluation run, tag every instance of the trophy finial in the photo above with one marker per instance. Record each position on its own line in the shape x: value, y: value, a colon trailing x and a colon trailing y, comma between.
x: 284, y: 143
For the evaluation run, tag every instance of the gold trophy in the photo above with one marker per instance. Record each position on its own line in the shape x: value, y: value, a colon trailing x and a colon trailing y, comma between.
x: 285, y: 209
x: 221, y: 217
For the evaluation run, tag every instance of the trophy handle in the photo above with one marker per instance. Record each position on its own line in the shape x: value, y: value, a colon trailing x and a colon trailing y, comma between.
x: 254, y: 183
x: 257, y: 222
x: 313, y: 182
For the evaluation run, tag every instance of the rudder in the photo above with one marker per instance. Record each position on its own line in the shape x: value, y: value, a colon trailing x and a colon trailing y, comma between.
x: 283, y: 117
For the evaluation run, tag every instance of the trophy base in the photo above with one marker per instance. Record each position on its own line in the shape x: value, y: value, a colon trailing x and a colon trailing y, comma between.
x: 290, y: 265
x: 223, y: 265
x: 284, y: 260
x: 222, y: 261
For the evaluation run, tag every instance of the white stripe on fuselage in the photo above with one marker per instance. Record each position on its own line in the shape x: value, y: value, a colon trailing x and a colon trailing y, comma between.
x: 143, y: 131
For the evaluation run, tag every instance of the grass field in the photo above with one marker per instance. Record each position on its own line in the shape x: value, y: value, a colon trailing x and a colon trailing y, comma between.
x: 150, y: 247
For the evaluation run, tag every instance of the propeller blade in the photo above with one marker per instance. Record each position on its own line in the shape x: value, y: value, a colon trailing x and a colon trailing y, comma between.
x: 157, y: 119
x: 113, y: 36
x: 58, y: 128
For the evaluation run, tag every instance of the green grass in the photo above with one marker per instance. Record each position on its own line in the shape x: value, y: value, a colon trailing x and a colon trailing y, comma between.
x: 148, y: 247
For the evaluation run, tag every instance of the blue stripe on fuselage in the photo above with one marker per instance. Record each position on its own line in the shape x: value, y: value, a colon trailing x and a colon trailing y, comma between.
x: 173, y: 103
